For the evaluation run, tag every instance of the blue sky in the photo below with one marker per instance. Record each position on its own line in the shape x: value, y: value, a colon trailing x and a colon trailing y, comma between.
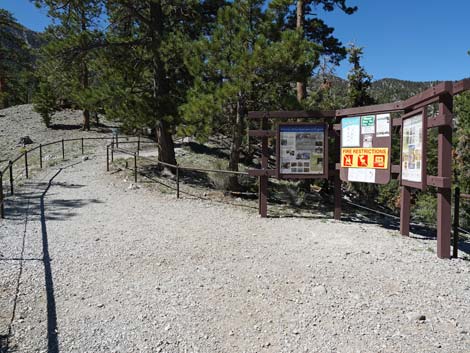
x: 416, y: 40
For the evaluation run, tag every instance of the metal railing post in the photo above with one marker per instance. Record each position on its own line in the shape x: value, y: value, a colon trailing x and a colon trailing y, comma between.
x: 455, y: 243
x: 177, y: 181
x: 2, y: 206
x: 138, y: 144
x: 117, y: 141
x: 107, y: 158
x: 63, y: 150
x: 40, y: 156
x: 10, y: 167
x: 83, y: 149
x: 26, y: 164
x: 112, y: 151
x: 135, y: 167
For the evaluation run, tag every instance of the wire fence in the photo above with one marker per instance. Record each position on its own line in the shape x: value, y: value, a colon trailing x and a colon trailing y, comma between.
x: 113, y: 147
x: 20, y: 167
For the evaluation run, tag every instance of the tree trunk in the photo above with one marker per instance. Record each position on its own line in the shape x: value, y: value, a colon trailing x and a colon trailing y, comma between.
x: 84, y: 78
x: 2, y: 91
x: 161, y: 88
x: 236, y: 143
x: 301, y: 85
x: 166, y: 147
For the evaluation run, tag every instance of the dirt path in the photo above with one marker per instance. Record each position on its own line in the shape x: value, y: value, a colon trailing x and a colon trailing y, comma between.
x: 105, y: 268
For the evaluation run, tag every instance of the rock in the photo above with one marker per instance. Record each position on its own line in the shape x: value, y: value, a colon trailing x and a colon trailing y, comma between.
x: 319, y: 291
x: 133, y: 186
x: 25, y: 140
x: 415, y: 316
x: 85, y: 158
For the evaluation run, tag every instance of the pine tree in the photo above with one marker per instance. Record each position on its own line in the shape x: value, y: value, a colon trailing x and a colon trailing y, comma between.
x: 74, y: 35
x: 144, y: 74
x: 359, y: 80
x: 245, y: 65
x: 302, y: 15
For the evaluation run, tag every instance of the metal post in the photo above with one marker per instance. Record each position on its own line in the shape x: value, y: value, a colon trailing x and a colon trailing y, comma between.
x: 138, y: 145
x: 10, y: 165
x: 40, y: 156
x: 107, y: 158
x: 455, y: 243
x: 177, y: 182
x: 63, y: 150
x: 405, y: 210
x: 135, y: 167
x: 26, y: 164
x: 117, y: 141
x: 112, y: 151
x: 444, y: 170
x: 2, y: 206
x: 83, y: 149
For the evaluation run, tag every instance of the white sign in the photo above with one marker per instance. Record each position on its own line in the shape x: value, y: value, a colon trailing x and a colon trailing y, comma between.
x: 361, y: 175
x: 412, y: 149
x: 351, y: 132
x: 368, y: 124
x: 383, y: 125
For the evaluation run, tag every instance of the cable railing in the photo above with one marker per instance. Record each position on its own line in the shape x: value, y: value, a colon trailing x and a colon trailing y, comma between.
x: 8, y: 172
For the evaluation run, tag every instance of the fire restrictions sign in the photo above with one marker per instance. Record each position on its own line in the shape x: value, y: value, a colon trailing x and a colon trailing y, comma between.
x: 376, y: 158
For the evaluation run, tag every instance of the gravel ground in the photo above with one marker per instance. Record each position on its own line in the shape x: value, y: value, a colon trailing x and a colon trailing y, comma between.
x: 102, y: 267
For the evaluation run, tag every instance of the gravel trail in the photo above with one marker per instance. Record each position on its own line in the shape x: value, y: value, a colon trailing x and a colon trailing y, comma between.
x: 106, y: 268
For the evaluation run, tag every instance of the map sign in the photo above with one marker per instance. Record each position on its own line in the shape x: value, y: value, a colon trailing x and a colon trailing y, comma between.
x: 302, y: 149
x: 412, y: 149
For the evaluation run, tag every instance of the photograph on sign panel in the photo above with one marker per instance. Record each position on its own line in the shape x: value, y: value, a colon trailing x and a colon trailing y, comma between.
x: 412, y: 149
x: 301, y: 149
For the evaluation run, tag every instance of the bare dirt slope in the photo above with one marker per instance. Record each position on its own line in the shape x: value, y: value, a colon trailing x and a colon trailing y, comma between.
x: 21, y: 120
x: 105, y: 268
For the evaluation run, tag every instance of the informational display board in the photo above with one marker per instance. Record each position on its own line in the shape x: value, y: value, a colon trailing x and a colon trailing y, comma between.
x: 365, y: 148
x: 302, y: 150
x: 413, y: 149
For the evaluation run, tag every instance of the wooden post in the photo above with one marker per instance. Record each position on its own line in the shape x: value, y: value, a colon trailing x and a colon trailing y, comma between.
x: 177, y: 182
x: 405, y: 200
x: 2, y: 206
x: 337, y: 180
x: 135, y: 167
x: 40, y: 156
x: 455, y: 243
x: 63, y: 150
x: 444, y: 170
x: 107, y: 158
x: 263, y: 180
x: 10, y: 167
x: 26, y: 164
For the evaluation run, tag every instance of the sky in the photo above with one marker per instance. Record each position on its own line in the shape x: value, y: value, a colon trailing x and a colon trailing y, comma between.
x: 415, y: 40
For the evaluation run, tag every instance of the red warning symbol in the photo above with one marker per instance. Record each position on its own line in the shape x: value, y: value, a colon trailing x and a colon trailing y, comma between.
x: 363, y: 160
x: 348, y: 160
x: 379, y: 161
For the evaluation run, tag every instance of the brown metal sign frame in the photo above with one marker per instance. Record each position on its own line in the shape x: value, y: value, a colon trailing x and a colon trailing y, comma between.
x: 280, y: 175
x: 442, y: 94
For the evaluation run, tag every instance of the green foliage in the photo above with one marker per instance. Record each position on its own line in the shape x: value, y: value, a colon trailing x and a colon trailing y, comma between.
x: 45, y: 102
x: 359, y: 80
x: 16, y: 62
x: 425, y: 207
